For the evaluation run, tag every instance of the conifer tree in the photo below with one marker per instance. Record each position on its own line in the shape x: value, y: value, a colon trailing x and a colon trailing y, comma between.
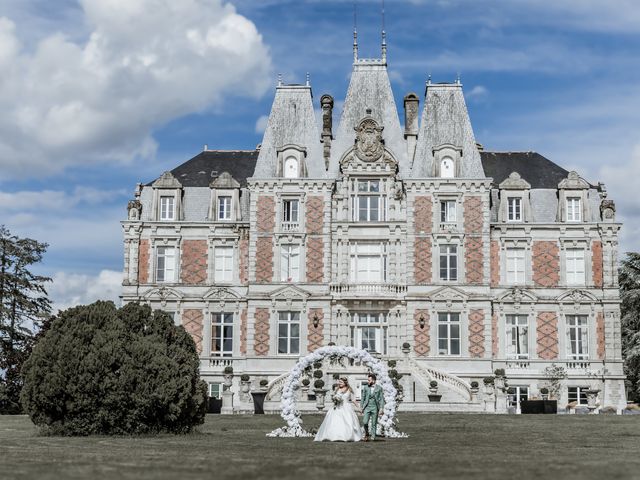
x: 23, y: 306
x: 630, y: 310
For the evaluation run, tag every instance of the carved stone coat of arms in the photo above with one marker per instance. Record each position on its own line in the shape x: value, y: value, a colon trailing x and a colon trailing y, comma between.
x: 369, y: 144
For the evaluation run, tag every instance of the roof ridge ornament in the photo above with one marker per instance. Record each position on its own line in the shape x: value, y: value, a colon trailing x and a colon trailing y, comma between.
x: 355, y: 32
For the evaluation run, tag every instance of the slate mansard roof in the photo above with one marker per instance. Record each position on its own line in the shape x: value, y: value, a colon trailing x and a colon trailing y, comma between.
x: 209, y: 164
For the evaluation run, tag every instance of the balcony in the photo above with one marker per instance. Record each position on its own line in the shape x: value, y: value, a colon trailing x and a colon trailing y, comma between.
x: 571, y: 366
x: 290, y: 226
x: 368, y: 289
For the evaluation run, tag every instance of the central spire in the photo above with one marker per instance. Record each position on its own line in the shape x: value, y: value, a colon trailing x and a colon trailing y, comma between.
x: 383, y: 58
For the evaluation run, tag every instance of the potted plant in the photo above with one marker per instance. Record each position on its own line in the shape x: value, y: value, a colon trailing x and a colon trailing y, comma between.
x: 305, y: 385
x: 319, y: 391
x: 406, y: 348
x: 228, y: 376
x: 500, y: 380
x: 474, y: 387
x: 392, y: 363
x: 433, y: 392
x: 544, y: 392
x: 263, y: 384
x: 592, y: 399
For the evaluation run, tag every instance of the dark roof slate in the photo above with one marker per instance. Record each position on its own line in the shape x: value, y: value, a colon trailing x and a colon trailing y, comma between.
x: 209, y: 164
x: 539, y: 171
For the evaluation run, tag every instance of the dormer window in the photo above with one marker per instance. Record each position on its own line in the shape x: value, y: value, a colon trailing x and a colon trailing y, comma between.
x: 514, y: 213
x: 167, y: 207
x: 574, y: 209
x: 291, y: 168
x: 447, y: 168
x: 224, y: 208
x: 291, y: 161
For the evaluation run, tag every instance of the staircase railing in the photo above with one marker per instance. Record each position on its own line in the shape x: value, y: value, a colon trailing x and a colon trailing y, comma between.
x: 426, y: 374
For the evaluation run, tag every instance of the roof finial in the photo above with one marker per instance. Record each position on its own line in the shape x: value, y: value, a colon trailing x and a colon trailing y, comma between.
x: 279, y: 79
x: 384, y: 38
x: 429, y: 79
x: 355, y: 32
x: 458, y: 79
x: 308, y: 79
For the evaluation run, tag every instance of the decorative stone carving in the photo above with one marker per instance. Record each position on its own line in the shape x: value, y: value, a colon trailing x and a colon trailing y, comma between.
x: 369, y: 144
x: 167, y: 180
x: 514, y: 182
x: 573, y: 182
x: 224, y: 180
x: 135, y: 210
x: 608, y: 210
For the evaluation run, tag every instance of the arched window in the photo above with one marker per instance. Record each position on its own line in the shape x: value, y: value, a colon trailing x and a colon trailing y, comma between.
x: 291, y: 168
x: 447, y: 168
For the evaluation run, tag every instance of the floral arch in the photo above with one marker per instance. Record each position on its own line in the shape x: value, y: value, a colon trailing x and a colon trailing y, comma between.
x: 290, y: 413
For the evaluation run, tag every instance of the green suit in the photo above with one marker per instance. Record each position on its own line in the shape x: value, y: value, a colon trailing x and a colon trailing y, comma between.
x: 371, y: 404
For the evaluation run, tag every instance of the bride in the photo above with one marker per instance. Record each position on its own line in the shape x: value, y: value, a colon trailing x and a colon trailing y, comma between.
x: 341, y: 422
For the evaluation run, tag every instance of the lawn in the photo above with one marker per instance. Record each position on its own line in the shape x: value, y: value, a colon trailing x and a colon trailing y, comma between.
x: 440, y: 446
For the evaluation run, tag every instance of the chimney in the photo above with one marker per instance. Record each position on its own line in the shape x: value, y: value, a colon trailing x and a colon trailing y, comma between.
x: 411, y: 103
x: 326, y: 103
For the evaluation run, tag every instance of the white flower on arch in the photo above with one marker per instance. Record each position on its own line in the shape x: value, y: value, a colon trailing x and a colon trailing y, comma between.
x: 290, y: 413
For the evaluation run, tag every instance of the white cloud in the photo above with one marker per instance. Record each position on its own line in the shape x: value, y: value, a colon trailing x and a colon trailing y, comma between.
x: 144, y: 63
x: 477, y: 93
x: 261, y: 123
x: 71, y: 289
x: 57, y: 200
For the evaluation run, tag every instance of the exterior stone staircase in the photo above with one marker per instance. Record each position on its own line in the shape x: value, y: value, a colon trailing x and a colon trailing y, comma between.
x: 425, y: 374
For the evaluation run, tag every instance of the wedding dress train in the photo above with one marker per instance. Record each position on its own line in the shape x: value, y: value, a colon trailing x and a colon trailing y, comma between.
x: 341, y: 424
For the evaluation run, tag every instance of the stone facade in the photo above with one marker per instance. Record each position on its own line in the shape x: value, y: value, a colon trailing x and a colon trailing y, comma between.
x: 376, y: 237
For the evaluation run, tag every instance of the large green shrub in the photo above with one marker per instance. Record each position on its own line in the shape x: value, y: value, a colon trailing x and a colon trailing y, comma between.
x: 103, y: 370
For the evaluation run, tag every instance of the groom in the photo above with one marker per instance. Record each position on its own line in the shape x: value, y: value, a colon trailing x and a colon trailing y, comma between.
x: 372, y: 403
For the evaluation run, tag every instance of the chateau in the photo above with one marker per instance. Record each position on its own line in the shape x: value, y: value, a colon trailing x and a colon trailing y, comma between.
x: 411, y: 242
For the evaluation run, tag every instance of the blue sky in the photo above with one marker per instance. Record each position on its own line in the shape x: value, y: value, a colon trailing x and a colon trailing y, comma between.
x: 98, y: 95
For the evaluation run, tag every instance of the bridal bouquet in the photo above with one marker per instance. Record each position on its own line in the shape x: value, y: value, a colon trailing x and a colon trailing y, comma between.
x: 337, y: 401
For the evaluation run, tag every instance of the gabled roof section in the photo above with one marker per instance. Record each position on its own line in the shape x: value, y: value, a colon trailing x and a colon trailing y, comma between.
x: 369, y: 89
x: 225, y: 180
x: 537, y: 170
x: 167, y: 180
x: 445, y: 120
x: 205, y: 167
x: 291, y: 122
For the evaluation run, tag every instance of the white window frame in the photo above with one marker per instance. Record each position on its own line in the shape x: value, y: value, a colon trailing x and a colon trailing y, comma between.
x: 222, y: 321
x: 215, y: 390
x: 577, y: 337
x: 290, y: 255
x: 448, y: 252
x: 580, y: 394
x: 514, y: 209
x: 372, y: 197
x: 364, y: 257
x: 517, y: 336
x: 288, y: 172
x: 574, y: 209
x: 288, y: 322
x: 446, y: 336
x: 517, y: 394
x: 516, y: 266
x: 167, y: 256
x: 448, y: 211
x: 223, y: 259
x: 290, y: 214
x: 447, y: 172
x: 575, y: 261
x: 370, y: 328
x: 167, y: 207
x: 225, y: 208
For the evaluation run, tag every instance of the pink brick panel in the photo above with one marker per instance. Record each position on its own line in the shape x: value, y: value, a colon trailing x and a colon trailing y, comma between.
x: 315, y: 335
x: 266, y: 214
x: 546, y: 263
x: 315, y: 260
x: 144, y: 255
x: 421, y: 335
x: 261, y: 337
x: 600, y: 335
x: 476, y: 334
x: 422, y: 260
x: 547, y: 335
x: 264, y: 260
x: 314, y: 215
x: 194, y: 255
x: 596, y: 255
x: 495, y: 263
x: 192, y: 321
x: 423, y: 214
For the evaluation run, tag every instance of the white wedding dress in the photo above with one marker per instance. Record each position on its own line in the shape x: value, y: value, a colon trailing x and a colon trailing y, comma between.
x: 341, y: 423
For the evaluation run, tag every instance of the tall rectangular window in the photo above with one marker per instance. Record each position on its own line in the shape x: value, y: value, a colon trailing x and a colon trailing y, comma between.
x: 368, y: 263
x: 166, y: 264
x: 223, y: 259
x: 167, y: 207
x: 369, y: 331
x: 448, y: 333
x: 290, y: 263
x: 515, y: 209
x: 290, y: 215
x: 448, y: 211
x: 577, y: 337
x: 448, y: 262
x: 289, y: 333
x: 574, y: 209
x: 222, y: 335
x: 215, y: 390
x: 224, y: 208
x: 515, y: 266
x: 517, y: 341
x: 575, y: 266
x: 368, y: 204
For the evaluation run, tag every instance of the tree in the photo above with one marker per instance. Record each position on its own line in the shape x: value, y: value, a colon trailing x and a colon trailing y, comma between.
x: 23, y: 305
x: 630, y: 320
x: 103, y: 370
